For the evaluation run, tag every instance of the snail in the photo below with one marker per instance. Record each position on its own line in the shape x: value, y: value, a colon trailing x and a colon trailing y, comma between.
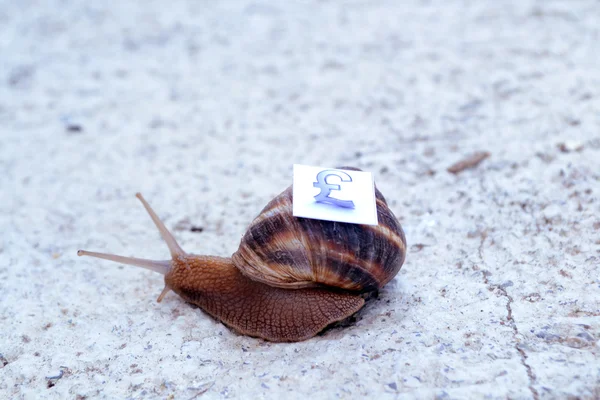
x: 290, y: 278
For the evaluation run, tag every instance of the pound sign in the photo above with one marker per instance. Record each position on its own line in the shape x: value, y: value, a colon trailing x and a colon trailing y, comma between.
x: 326, y: 188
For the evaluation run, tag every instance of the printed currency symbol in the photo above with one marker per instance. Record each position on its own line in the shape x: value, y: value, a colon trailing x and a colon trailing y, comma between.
x: 326, y: 188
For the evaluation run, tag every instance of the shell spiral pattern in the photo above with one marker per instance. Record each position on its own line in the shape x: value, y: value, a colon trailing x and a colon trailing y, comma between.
x: 289, y: 252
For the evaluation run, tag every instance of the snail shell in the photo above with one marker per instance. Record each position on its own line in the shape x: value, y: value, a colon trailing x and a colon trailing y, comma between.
x: 290, y: 252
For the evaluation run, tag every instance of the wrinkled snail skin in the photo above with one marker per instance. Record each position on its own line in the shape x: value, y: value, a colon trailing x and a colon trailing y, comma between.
x: 254, y: 308
x: 291, y: 277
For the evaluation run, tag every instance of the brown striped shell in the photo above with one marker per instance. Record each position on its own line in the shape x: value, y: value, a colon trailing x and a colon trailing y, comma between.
x: 290, y: 252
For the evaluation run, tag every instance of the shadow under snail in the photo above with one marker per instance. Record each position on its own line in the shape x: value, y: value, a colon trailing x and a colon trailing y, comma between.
x: 291, y: 277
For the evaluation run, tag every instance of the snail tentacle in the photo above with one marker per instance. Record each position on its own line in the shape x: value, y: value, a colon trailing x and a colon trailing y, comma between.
x: 160, y: 266
x: 174, y: 247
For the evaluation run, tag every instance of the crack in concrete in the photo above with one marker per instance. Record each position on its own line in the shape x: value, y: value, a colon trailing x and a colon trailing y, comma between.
x: 510, y: 319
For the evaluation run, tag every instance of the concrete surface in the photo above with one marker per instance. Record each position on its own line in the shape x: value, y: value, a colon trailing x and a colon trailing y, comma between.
x: 204, y: 106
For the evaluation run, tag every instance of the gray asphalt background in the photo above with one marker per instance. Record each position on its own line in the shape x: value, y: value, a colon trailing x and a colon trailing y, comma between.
x: 204, y: 106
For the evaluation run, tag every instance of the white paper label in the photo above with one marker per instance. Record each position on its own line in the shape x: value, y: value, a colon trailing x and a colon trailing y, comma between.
x: 333, y: 194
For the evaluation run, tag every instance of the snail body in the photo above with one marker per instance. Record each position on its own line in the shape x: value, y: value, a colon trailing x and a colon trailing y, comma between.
x: 290, y: 278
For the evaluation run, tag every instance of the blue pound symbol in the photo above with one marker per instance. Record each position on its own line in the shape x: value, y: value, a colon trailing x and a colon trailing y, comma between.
x: 326, y: 188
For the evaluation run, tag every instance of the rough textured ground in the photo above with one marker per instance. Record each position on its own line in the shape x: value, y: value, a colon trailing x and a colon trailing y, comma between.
x: 204, y: 106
